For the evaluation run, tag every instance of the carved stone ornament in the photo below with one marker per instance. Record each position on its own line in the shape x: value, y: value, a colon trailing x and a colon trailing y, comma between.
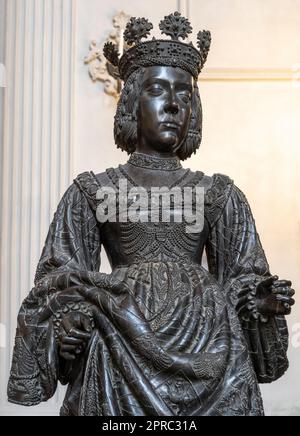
x: 99, y: 68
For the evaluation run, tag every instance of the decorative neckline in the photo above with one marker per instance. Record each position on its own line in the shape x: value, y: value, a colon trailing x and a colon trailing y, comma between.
x: 146, y: 161
x: 133, y: 183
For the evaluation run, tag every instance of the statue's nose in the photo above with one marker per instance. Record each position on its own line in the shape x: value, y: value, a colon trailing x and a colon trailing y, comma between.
x: 171, y: 106
x: 172, y: 109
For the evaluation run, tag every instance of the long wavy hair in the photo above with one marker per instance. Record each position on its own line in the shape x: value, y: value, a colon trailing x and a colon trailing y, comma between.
x: 126, y: 118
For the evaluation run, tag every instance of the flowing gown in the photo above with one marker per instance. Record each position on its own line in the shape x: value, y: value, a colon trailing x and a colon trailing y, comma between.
x: 167, y: 339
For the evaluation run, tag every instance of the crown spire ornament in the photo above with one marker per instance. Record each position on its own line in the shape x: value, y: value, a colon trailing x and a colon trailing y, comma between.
x: 176, y: 26
x: 136, y: 29
x: 110, y: 51
x: 203, y: 43
x: 163, y: 52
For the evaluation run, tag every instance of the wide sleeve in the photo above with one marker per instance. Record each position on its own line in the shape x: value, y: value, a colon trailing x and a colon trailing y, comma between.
x: 237, y: 260
x: 72, y: 247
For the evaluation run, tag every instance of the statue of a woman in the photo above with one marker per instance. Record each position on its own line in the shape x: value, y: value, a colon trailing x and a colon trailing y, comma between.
x: 160, y: 335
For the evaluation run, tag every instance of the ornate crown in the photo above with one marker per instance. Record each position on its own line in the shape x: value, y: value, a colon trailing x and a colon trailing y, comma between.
x: 172, y: 52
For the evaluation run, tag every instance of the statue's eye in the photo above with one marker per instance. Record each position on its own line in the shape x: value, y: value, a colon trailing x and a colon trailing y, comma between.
x: 155, y: 89
x: 185, y: 96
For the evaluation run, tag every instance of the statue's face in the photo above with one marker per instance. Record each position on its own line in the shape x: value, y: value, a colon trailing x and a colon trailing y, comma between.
x: 164, y: 108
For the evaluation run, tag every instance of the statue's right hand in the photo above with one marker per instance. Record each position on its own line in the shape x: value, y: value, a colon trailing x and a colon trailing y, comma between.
x: 75, y: 332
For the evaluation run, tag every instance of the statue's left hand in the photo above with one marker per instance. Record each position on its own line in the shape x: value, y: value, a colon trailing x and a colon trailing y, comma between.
x: 274, y: 297
x: 74, y: 335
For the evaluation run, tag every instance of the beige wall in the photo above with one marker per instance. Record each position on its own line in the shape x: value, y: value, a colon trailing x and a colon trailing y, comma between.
x: 251, y: 132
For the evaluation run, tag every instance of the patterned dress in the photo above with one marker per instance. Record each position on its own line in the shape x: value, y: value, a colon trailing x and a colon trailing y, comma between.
x: 167, y: 337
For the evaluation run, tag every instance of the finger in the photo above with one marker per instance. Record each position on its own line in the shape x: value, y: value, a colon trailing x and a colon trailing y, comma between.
x: 71, y: 341
x: 72, y: 331
x: 79, y: 349
x: 71, y: 349
x: 68, y: 324
x: 288, y: 309
x: 78, y: 334
x: 285, y: 299
x: 283, y: 309
x: 85, y: 323
x: 68, y: 348
x: 284, y: 291
x: 269, y: 281
x: 282, y: 283
x: 68, y: 356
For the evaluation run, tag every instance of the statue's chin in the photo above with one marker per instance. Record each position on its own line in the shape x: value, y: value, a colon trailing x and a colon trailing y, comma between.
x: 169, y: 141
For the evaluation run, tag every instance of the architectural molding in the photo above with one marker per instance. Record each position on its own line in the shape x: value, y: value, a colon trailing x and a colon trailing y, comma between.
x: 221, y: 74
x: 183, y: 7
x: 99, y: 68
x: 37, y: 146
x: 243, y: 74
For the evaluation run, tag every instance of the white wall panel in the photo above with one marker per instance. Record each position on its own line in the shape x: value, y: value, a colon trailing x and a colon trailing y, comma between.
x: 36, y: 165
x: 250, y: 34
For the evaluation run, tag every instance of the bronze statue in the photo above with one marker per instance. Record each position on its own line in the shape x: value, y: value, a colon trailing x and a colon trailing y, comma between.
x: 160, y: 335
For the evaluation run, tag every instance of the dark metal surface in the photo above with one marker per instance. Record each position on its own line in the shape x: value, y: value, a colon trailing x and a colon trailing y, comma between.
x: 160, y: 335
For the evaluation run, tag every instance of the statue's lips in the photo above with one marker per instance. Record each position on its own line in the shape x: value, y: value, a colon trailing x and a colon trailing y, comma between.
x: 170, y: 125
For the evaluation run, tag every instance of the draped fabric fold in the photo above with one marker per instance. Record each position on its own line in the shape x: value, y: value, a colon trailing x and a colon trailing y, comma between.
x: 166, y: 338
x: 237, y: 260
